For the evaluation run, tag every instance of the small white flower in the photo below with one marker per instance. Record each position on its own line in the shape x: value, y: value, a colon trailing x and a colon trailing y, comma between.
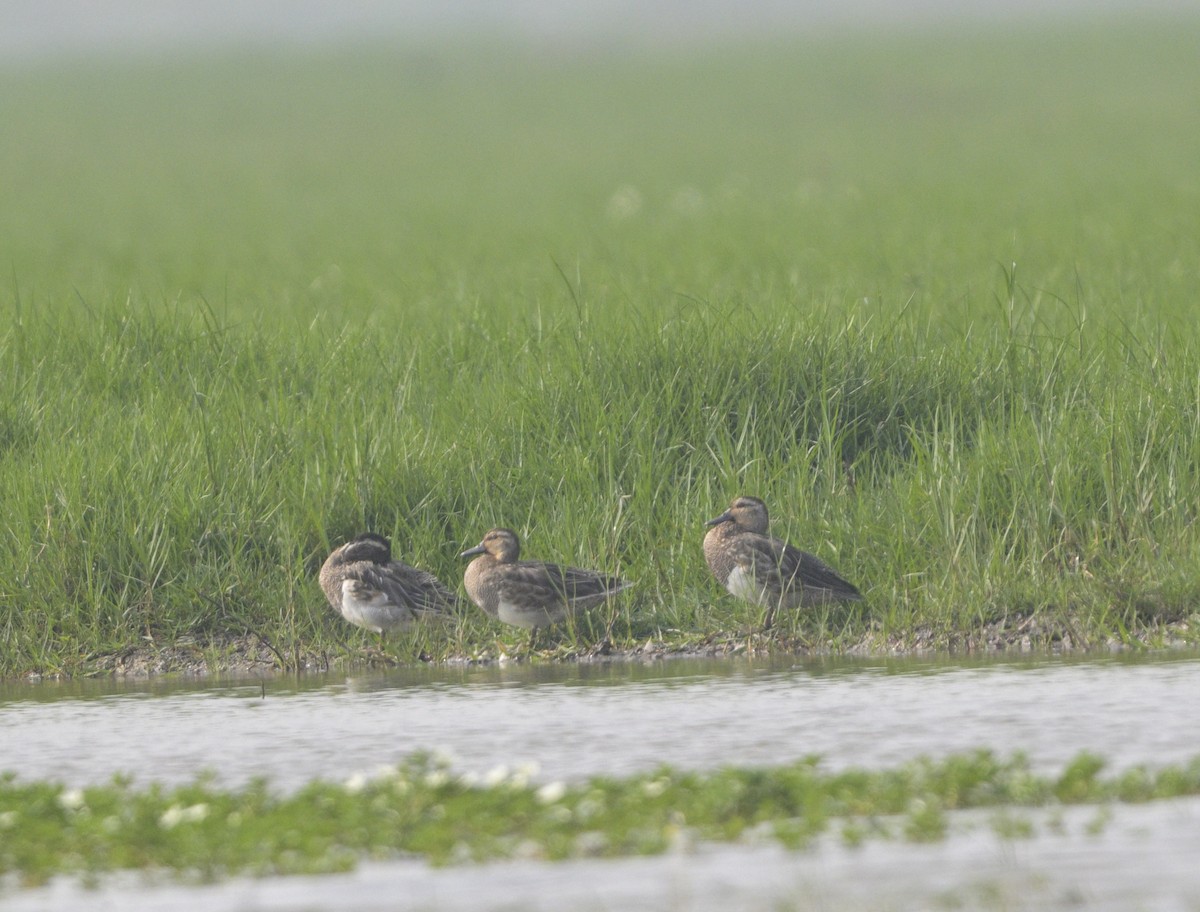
x: 523, y: 774
x: 437, y: 778
x: 654, y: 787
x: 175, y: 815
x: 170, y: 817
x: 551, y: 792
x: 356, y: 783
x: 71, y: 799
x: 8, y: 819
x: 497, y: 775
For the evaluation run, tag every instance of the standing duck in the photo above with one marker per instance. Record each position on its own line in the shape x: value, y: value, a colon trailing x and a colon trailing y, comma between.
x: 767, y: 571
x: 530, y: 594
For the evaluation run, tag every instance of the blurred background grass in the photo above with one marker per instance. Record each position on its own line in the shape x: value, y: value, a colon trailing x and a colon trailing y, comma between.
x: 856, y: 166
x: 928, y: 292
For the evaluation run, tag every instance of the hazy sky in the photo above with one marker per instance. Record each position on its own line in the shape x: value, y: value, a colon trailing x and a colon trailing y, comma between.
x: 37, y: 27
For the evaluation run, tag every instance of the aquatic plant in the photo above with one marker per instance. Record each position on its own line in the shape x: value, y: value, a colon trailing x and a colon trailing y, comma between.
x: 423, y: 808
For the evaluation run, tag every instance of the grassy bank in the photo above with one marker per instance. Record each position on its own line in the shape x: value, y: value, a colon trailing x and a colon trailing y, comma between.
x: 421, y: 809
x: 930, y: 296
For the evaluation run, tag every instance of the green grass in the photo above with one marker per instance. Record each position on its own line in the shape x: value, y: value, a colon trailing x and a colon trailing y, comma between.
x: 203, y: 832
x: 930, y: 295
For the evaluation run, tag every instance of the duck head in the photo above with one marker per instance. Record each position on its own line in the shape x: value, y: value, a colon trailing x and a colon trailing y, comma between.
x: 502, y: 544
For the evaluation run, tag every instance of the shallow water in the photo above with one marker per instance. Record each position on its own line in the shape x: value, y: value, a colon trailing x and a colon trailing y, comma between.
x: 575, y: 721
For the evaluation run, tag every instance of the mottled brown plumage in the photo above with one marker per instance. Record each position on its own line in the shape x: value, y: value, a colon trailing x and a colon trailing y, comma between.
x: 753, y: 565
x: 371, y: 590
x: 530, y: 594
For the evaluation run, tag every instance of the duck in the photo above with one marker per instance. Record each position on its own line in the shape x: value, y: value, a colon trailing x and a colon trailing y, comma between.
x: 371, y: 590
x: 526, y: 593
x: 759, y: 568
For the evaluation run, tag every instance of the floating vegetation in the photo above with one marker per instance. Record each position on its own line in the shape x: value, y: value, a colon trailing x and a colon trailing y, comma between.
x: 422, y: 808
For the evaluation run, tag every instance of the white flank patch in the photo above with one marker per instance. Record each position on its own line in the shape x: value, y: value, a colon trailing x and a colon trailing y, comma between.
x: 520, y: 616
x: 363, y: 606
x: 741, y: 583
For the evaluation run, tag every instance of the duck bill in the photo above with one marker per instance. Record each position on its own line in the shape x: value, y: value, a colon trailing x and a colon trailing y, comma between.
x: 471, y: 552
x: 716, y: 520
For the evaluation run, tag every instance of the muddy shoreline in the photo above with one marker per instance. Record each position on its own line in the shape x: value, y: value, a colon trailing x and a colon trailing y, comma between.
x: 255, y: 655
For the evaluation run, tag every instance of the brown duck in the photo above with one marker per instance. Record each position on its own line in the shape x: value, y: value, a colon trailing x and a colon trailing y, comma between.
x: 369, y: 589
x: 767, y: 571
x: 530, y: 594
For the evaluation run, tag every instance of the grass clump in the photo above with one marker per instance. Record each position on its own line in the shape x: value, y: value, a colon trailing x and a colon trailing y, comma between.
x: 232, y: 341
x: 202, y: 832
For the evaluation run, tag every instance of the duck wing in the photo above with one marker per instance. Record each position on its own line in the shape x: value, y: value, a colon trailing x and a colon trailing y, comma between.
x: 803, y: 572
x: 398, y: 586
x: 539, y: 582
x: 786, y: 573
